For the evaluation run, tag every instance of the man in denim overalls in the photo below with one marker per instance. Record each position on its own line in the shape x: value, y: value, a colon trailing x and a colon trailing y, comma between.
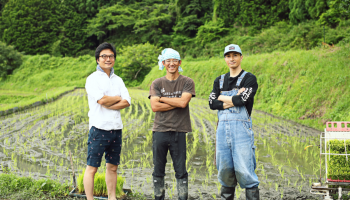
x: 233, y: 97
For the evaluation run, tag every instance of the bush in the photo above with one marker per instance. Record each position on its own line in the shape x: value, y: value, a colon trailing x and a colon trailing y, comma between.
x: 135, y: 62
x: 10, y: 59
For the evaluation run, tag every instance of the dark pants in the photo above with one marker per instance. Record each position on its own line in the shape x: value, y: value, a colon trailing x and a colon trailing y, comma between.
x: 175, y: 142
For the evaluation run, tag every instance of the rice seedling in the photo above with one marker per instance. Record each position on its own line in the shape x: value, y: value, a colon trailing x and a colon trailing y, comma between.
x: 100, y: 187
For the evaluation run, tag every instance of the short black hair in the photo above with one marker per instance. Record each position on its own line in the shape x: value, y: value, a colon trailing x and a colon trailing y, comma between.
x: 102, y: 47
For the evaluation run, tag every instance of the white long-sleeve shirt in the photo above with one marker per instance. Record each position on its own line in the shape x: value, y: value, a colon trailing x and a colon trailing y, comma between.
x: 98, y: 84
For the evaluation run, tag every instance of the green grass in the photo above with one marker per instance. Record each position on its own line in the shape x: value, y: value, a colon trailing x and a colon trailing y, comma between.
x: 306, y: 86
x: 43, y: 77
x: 15, y: 187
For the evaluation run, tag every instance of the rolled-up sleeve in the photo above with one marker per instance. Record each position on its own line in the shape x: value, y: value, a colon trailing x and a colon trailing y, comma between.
x: 92, y: 89
x: 124, y: 92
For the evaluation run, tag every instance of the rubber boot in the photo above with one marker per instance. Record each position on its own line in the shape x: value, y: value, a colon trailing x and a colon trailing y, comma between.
x: 182, y: 188
x: 159, y: 191
x: 252, y: 193
x: 227, y: 193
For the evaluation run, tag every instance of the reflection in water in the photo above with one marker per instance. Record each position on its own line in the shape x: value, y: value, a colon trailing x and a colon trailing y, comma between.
x: 37, y: 142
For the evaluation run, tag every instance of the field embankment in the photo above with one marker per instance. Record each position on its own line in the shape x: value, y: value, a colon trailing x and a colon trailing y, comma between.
x: 306, y: 86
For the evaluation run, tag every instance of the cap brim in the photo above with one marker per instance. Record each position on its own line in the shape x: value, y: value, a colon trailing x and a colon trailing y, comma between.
x: 232, y: 51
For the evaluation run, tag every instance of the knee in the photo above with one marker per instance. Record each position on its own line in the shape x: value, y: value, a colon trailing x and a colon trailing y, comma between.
x: 227, y: 177
x: 112, y: 168
x: 181, y: 175
x: 90, y: 170
x: 247, y: 180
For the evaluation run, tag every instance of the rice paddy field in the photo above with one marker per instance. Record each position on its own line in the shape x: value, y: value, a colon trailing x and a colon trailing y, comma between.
x: 36, y: 142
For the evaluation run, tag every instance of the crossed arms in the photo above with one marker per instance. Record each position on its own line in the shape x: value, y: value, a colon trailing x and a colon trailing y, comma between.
x: 113, y: 102
x: 161, y: 104
x: 228, y: 99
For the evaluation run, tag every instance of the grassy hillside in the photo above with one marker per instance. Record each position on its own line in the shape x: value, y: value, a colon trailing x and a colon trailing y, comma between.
x: 309, y: 87
x: 43, y: 77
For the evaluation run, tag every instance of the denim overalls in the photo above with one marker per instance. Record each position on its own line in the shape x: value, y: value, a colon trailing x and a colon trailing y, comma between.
x: 235, y: 150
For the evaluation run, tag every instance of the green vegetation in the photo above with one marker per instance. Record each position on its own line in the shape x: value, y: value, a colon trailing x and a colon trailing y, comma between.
x: 16, y: 187
x: 309, y: 87
x: 10, y: 59
x: 35, y: 26
x: 43, y: 77
x: 73, y: 28
x: 338, y: 165
x: 135, y: 62
x: 100, y: 187
x: 282, y: 36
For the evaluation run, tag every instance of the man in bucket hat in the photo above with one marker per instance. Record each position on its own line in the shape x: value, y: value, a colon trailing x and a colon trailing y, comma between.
x: 170, y: 96
x: 233, y: 97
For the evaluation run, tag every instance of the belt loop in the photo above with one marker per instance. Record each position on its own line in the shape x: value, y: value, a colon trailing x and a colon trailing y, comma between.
x: 176, y: 135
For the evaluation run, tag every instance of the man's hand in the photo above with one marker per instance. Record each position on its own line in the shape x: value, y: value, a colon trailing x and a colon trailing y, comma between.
x: 226, y: 105
x: 156, y: 98
x: 158, y: 106
x: 228, y: 100
x: 179, y: 102
x: 118, y: 106
x: 240, y: 91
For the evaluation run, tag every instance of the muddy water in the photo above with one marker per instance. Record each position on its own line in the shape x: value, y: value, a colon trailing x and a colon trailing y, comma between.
x: 37, y: 142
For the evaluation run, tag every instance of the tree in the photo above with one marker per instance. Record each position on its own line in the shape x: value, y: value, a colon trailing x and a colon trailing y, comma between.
x: 256, y: 13
x: 10, y: 59
x: 339, y: 10
x: 210, y: 31
x: 30, y: 25
x: 190, y: 15
x: 138, y: 60
x: 316, y: 7
x: 71, y: 36
x: 2, y: 4
x: 298, y: 11
x: 148, y: 20
x: 118, y: 18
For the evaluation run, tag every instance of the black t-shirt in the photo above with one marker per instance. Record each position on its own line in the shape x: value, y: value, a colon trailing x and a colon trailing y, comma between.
x: 246, y: 98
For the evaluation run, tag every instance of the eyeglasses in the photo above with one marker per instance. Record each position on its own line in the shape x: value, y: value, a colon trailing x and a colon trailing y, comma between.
x: 171, y: 61
x: 105, y: 57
